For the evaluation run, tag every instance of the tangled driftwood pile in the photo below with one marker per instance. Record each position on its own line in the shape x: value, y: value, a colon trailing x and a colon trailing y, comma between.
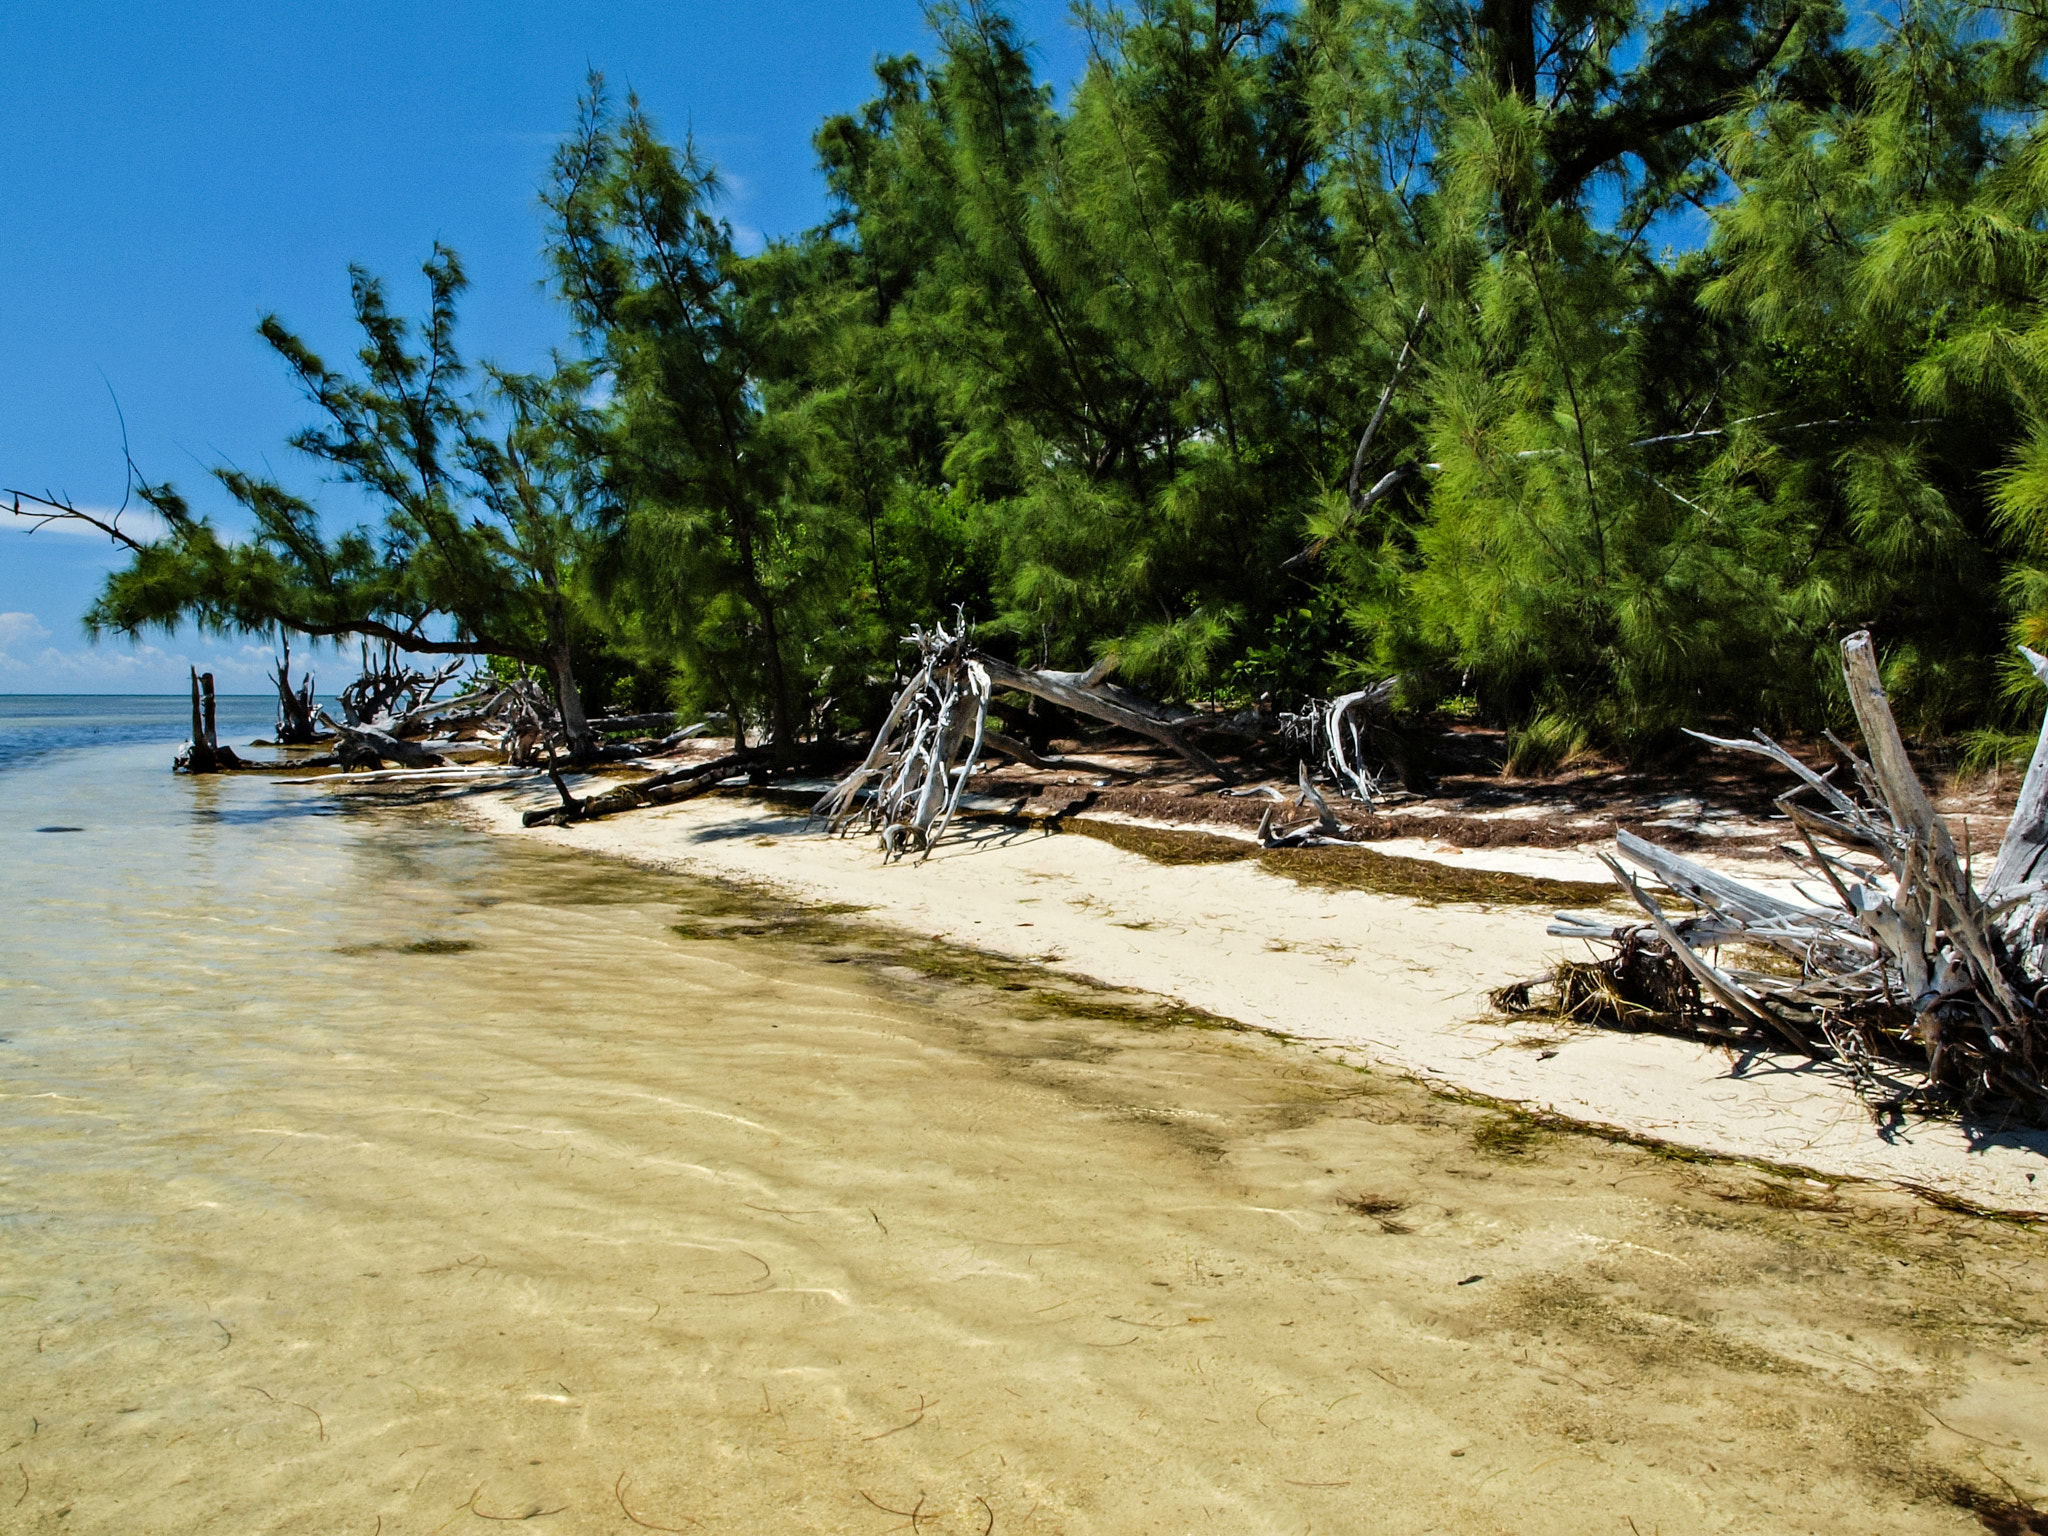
x: 909, y: 785
x: 1931, y: 986
x: 391, y: 713
x: 937, y: 733
x: 1343, y: 735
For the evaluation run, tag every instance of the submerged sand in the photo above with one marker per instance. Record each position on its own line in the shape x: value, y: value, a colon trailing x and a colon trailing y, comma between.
x: 1399, y: 982
x: 578, y: 1218
x: 366, y: 1175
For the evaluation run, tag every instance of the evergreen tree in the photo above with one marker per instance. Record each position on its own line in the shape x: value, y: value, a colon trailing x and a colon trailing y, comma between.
x: 485, y: 506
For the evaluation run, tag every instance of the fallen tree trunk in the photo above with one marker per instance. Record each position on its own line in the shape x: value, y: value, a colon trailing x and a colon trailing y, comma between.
x: 1071, y: 691
x: 1011, y: 746
x: 619, y: 724
x: 667, y: 788
x: 367, y: 746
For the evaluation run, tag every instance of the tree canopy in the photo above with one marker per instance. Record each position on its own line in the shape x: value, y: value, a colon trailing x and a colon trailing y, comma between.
x: 1585, y: 364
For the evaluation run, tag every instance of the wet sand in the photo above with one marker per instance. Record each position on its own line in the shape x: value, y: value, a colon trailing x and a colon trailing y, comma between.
x: 398, y: 1179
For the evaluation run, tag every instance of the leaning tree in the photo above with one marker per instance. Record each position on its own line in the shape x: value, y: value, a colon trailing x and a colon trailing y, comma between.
x: 484, y: 505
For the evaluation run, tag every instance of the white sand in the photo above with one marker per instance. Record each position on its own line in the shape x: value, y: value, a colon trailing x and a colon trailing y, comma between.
x: 1400, y: 983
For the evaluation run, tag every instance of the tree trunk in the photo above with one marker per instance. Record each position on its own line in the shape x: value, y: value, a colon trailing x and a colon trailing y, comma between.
x: 780, y: 716
x: 206, y: 698
x: 198, y: 756
x: 575, y: 724
x: 294, y: 706
x: 780, y: 722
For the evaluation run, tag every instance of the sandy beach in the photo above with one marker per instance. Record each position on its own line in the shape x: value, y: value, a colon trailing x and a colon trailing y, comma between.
x: 1398, y: 982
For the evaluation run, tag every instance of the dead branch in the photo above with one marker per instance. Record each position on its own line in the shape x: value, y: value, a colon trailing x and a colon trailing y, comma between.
x: 49, y: 508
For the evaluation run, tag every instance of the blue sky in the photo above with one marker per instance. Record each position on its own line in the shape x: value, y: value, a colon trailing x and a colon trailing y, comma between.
x: 172, y: 171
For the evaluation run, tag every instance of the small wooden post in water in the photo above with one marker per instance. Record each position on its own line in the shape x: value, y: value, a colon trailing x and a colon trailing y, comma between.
x: 201, y: 757
x: 206, y: 697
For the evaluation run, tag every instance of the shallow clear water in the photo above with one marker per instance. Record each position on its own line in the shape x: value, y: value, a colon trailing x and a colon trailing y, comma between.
x: 359, y: 1172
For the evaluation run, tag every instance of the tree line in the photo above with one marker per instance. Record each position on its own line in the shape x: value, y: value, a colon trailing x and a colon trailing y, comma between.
x: 1585, y: 366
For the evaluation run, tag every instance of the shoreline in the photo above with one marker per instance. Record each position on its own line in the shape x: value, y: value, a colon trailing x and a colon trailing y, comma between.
x: 1377, y: 979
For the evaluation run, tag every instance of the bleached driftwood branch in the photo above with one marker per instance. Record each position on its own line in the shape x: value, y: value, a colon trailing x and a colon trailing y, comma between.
x: 1335, y: 734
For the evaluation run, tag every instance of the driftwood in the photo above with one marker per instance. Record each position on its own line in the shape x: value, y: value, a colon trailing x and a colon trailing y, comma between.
x: 525, y: 724
x: 1335, y: 734
x: 371, y: 746
x: 1022, y: 751
x: 1929, y: 988
x: 1321, y: 827
x: 910, y: 783
x: 1085, y: 694
x: 203, y: 753
x: 639, y: 724
x: 295, y: 706
x: 390, y: 697
x: 662, y: 789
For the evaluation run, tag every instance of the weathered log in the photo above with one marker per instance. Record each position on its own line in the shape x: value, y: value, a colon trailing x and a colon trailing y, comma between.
x: 1914, y: 815
x: 367, y: 746
x: 675, y: 739
x: 2022, y: 860
x: 617, y: 725
x: 1061, y: 689
x: 666, y: 788
x: 285, y: 765
x: 1012, y: 746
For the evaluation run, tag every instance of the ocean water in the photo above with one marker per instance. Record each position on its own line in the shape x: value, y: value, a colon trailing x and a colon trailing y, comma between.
x: 33, y: 725
x: 360, y: 1172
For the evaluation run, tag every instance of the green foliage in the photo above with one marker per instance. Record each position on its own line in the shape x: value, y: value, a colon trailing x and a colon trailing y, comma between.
x: 484, y: 505
x: 1298, y: 348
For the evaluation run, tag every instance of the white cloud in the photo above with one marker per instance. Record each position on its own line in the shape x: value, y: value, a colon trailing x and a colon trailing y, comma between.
x: 120, y: 667
x: 20, y: 629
